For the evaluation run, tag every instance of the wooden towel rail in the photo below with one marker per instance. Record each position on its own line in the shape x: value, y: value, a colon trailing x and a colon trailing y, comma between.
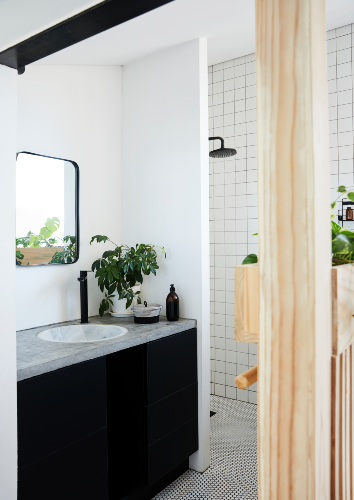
x: 247, y: 378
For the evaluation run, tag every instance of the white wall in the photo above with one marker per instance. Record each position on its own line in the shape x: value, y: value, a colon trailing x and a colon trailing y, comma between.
x: 8, y: 376
x: 165, y: 195
x: 72, y: 112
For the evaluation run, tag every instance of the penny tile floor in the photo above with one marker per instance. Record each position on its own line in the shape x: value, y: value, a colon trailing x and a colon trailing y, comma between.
x: 232, y: 474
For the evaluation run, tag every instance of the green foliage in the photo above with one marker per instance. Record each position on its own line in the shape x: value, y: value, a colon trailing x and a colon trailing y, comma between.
x: 250, y: 259
x: 120, y: 269
x: 68, y: 254
x: 45, y: 239
x: 19, y: 257
x: 342, y: 238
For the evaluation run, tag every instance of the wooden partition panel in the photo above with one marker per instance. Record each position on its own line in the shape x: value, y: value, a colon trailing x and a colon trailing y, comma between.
x: 342, y: 426
x: 294, y: 250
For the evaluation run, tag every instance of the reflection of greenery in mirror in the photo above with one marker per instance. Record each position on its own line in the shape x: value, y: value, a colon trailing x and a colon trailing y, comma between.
x: 43, y: 239
x: 45, y: 186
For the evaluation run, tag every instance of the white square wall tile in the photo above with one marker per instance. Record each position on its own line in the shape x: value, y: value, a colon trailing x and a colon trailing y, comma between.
x: 346, y: 179
x: 343, y: 30
x: 252, y: 397
x: 345, y: 125
x: 344, y: 42
x: 332, y: 72
x: 218, y: 76
x: 240, y: 93
x: 250, y: 67
x: 332, y: 99
x: 345, y: 167
x: 240, y: 70
x: 344, y: 83
x: 230, y: 381
x: 331, y: 34
x: 229, y: 85
x: 345, y: 138
x: 345, y: 110
x: 333, y: 167
x: 344, y: 56
x: 239, y: 60
x: 242, y: 395
x: 344, y: 69
x: 250, y: 79
x: 331, y: 45
x: 228, y: 64
x: 251, y: 91
x: 332, y: 86
x: 231, y: 392
x: 344, y: 97
x: 219, y: 378
x: 345, y: 152
x: 331, y: 59
x: 219, y: 390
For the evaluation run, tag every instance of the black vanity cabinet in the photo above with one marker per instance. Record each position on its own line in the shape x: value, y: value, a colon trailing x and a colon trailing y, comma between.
x: 62, y: 433
x: 117, y: 427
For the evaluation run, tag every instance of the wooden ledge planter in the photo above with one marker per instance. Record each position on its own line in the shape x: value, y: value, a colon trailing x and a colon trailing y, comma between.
x: 247, y: 303
x: 342, y: 371
x: 38, y: 255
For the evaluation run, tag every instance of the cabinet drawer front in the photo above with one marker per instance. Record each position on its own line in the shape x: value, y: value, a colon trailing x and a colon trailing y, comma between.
x: 62, y: 473
x: 58, y: 408
x: 170, y: 413
x: 171, y: 365
x: 171, y: 450
x: 95, y: 490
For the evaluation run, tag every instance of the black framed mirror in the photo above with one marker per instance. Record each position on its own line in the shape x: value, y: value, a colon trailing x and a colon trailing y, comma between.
x: 47, y: 210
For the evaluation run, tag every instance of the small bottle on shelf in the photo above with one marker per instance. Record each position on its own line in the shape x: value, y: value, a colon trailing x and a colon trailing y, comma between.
x: 349, y: 214
x: 172, y: 305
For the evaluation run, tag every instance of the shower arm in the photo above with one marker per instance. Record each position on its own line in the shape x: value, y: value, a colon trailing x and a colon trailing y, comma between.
x: 221, y: 139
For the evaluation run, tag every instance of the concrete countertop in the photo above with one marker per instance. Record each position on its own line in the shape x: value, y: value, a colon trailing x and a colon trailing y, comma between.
x: 36, y: 356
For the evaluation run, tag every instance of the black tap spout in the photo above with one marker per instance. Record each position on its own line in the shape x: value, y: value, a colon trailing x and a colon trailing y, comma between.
x: 83, y: 296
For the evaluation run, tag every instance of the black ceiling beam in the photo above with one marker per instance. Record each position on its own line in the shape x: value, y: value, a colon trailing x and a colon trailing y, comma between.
x: 90, y: 22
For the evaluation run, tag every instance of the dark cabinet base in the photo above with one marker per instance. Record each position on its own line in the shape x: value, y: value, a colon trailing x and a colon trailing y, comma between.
x: 120, y: 427
x: 77, y: 464
x: 148, y: 492
x: 96, y: 490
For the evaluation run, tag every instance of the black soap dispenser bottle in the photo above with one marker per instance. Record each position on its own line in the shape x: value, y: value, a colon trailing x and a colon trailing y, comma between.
x: 172, y: 305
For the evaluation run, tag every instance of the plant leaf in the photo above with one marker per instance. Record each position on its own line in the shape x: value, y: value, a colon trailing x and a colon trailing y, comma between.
x: 250, y: 259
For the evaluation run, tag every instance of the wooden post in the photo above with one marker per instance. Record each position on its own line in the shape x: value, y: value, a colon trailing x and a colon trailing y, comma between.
x: 294, y: 250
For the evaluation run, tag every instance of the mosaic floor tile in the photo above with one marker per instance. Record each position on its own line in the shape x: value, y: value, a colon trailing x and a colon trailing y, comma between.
x: 232, y: 474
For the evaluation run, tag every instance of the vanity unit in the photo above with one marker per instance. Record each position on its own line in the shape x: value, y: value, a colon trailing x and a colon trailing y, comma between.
x: 107, y: 420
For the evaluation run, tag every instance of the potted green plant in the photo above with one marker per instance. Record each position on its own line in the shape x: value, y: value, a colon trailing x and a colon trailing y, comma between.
x: 119, y: 270
x: 342, y: 237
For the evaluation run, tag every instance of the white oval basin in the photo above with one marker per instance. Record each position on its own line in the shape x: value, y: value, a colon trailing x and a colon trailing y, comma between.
x: 82, y: 333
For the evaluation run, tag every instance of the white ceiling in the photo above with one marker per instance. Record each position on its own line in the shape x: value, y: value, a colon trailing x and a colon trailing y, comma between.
x: 21, y: 19
x: 228, y: 24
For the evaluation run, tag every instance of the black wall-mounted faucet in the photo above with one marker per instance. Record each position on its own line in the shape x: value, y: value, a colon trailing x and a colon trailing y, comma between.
x: 83, y: 296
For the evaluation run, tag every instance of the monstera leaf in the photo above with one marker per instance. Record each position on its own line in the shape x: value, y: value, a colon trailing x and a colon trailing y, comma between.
x: 51, y: 225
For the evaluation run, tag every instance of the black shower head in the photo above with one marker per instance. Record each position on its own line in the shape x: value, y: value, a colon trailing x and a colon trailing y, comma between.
x: 222, y: 152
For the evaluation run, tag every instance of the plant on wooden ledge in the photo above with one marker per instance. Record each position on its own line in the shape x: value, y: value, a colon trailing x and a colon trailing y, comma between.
x: 342, y: 237
x: 120, y: 269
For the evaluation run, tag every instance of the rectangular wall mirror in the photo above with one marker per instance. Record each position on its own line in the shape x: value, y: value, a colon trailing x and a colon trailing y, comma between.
x: 47, y: 210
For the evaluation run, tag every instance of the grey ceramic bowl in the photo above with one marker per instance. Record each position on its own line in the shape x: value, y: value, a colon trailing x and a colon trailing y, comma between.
x: 146, y: 314
x: 141, y: 311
